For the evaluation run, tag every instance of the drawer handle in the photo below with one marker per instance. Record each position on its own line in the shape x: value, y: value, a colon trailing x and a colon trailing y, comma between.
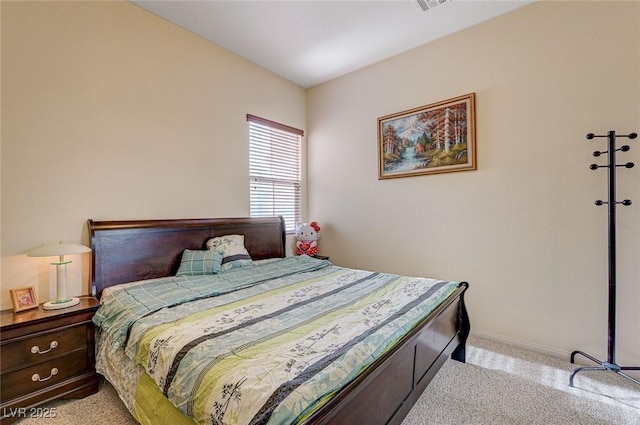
x: 36, y: 377
x: 36, y: 350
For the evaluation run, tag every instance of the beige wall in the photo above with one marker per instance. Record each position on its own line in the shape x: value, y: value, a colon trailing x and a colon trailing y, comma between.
x: 523, y: 228
x: 109, y: 112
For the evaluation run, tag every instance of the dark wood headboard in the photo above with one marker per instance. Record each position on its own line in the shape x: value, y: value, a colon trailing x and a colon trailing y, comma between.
x: 126, y: 251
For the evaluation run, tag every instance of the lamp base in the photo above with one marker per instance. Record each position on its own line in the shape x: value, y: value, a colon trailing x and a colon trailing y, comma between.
x: 57, y: 304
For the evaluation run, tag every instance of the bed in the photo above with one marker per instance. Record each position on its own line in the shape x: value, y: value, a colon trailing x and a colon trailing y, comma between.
x: 259, y: 337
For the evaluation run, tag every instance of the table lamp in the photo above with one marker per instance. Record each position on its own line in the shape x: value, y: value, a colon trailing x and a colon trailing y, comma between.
x: 60, y: 250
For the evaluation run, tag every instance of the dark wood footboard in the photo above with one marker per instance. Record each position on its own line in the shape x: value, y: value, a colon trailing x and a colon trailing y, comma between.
x: 388, y: 389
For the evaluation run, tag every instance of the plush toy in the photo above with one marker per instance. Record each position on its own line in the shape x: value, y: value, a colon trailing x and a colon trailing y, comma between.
x: 307, y: 235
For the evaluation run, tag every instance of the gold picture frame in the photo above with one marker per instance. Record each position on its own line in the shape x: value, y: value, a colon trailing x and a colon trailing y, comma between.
x: 24, y: 298
x: 435, y: 138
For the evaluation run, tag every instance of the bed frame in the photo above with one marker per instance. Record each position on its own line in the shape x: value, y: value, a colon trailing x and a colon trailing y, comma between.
x: 126, y: 251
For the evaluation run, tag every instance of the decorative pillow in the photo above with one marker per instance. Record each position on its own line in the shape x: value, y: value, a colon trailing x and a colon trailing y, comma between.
x: 195, y: 263
x: 235, y: 254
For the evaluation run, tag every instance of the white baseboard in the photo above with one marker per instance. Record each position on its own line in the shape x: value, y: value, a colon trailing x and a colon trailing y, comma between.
x: 540, y: 349
x: 525, y: 345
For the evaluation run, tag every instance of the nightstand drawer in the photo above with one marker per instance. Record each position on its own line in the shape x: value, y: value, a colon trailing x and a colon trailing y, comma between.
x: 34, y: 378
x: 25, y: 352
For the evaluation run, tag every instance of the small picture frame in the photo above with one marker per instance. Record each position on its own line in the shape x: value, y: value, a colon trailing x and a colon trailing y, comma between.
x: 24, y: 298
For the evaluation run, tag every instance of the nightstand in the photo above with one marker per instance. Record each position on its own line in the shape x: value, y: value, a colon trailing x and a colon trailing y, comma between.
x: 45, y: 355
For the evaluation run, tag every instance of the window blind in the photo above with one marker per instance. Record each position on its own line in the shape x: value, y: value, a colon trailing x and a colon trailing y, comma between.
x: 275, y: 170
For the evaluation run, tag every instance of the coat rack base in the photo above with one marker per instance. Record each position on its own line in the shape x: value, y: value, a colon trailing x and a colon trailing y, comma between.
x: 605, y: 366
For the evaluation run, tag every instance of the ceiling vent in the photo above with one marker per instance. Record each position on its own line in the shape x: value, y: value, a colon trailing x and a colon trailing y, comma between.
x: 429, y: 4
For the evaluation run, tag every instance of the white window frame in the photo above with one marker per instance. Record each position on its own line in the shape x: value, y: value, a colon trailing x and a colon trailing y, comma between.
x: 275, y: 171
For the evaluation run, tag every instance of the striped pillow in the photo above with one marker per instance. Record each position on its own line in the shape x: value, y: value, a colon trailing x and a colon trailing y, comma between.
x: 195, y: 263
x: 235, y: 254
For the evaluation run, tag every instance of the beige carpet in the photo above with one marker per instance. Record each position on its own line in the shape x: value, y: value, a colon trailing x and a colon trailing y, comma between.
x: 498, y: 385
x: 502, y: 385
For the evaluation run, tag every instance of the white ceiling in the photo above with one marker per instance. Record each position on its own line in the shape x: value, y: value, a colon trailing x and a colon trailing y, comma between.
x: 310, y: 42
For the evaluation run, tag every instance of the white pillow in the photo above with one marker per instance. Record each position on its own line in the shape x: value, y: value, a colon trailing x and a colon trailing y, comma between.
x: 235, y: 254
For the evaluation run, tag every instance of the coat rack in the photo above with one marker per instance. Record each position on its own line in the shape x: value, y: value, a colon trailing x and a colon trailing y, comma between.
x: 610, y: 364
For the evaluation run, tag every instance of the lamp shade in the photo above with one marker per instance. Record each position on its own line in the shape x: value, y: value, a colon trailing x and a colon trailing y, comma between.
x: 58, y: 249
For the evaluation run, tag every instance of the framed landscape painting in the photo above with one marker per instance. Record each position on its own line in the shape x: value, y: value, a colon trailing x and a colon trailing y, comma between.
x: 436, y: 138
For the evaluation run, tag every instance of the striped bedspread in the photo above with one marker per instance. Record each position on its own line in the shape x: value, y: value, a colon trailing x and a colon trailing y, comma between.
x: 265, y: 344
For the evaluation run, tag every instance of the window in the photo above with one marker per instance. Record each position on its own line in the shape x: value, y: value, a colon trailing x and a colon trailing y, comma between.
x: 275, y: 170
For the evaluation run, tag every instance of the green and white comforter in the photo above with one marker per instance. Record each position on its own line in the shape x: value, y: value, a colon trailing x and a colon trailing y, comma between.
x: 265, y: 344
